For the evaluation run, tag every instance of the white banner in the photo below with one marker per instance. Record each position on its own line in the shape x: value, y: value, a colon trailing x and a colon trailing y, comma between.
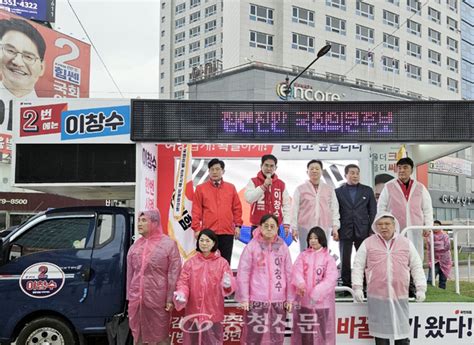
x: 146, y: 165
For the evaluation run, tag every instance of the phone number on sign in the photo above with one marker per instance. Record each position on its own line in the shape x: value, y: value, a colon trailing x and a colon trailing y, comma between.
x: 14, y: 201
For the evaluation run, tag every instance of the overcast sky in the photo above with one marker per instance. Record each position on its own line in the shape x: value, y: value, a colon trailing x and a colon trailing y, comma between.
x: 126, y: 35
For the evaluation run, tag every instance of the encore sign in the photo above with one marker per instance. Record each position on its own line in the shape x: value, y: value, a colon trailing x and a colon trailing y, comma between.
x: 264, y: 122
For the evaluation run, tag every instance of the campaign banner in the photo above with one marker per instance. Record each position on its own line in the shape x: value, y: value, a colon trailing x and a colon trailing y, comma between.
x: 431, y: 324
x: 146, y: 186
x: 41, y: 10
x: 37, y: 62
x: 60, y: 120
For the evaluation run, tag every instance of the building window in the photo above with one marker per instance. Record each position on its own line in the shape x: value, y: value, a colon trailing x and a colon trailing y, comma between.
x: 434, y: 15
x: 434, y: 57
x: 261, y: 14
x: 414, y: 95
x: 261, y: 40
x: 414, y: 27
x: 302, y: 42
x: 194, y: 3
x: 452, y: 44
x: 163, y: 33
x: 210, y: 41
x: 364, y: 33
x: 337, y: 51
x: 390, y: 41
x: 413, y: 71
x: 441, y: 213
x: 162, y: 89
x: 162, y: 61
x: 414, y: 6
x: 452, y: 85
x: 452, y: 64
x: 391, y: 64
x: 193, y: 32
x: 453, y: 5
x: 194, y: 46
x: 337, y: 3
x: 469, y: 185
x: 179, y: 51
x: 442, y: 182
x: 179, y: 94
x: 391, y: 18
x: 414, y: 50
x: 209, y: 56
x: 163, y: 19
x: 211, y: 10
x: 194, y: 61
x: 162, y: 75
x: 364, y: 57
x: 337, y: 25
x: 364, y: 9
x: 390, y: 88
x: 163, y: 5
x: 336, y: 77
x: 434, y: 78
x: 194, y: 17
x: 179, y: 80
x: 162, y: 47
x: 434, y: 36
x: 452, y: 24
x: 303, y: 16
x: 210, y: 26
x: 179, y: 37
x: 394, y: 2
x: 180, y: 8
x: 179, y: 23
x: 179, y: 66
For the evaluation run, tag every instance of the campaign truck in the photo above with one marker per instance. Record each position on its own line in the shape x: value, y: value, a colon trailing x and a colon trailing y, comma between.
x: 63, y: 274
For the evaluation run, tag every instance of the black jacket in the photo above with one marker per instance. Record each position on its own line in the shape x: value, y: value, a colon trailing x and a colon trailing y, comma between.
x: 356, y: 217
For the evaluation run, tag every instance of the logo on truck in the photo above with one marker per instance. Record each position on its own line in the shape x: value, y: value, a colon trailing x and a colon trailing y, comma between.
x: 42, y: 280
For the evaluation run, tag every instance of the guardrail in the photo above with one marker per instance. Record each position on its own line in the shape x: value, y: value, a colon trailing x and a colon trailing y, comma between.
x: 455, y: 229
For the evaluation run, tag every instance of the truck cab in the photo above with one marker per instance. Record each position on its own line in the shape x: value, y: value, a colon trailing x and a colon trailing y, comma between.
x: 63, y: 274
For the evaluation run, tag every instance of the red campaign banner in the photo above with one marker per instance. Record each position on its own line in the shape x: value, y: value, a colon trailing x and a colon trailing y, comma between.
x: 38, y: 62
x: 5, y: 144
x: 41, y: 120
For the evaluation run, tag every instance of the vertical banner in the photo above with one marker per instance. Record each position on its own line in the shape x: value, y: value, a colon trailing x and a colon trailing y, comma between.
x: 145, y: 190
x: 179, y: 226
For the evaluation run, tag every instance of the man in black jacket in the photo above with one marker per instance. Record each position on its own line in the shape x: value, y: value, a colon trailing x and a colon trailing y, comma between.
x: 357, y: 210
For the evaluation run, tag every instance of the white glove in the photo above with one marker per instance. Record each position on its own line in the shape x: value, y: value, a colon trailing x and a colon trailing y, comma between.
x: 420, y: 296
x: 359, y: 296
x: 226, y: 282
x: 179, y: 296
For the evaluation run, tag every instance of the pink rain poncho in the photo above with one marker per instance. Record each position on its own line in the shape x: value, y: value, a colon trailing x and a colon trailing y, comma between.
x: 153, y: 266
x: 387, y: 266
x: 442, y: 252
x: 201, y: 283
x: 314, y: 312
x: 263, y: 280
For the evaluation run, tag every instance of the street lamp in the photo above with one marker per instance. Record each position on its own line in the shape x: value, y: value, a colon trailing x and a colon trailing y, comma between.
x: 323, y: 51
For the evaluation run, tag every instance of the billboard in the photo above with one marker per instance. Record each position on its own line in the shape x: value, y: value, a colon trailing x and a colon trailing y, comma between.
x: 41, y: 10
x: 37, y: 62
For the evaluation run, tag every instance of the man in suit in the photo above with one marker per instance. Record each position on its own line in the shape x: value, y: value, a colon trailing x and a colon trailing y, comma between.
x: 357, y: 210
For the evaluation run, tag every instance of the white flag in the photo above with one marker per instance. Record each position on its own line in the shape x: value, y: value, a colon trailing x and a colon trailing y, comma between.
x: 179, y: 224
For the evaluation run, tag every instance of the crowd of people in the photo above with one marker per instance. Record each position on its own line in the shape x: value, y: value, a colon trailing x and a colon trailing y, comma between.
x: 268, y: 286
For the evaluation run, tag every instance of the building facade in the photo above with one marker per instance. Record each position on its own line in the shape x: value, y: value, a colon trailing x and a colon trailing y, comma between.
x: 406, y: 46
x: 467, y: 49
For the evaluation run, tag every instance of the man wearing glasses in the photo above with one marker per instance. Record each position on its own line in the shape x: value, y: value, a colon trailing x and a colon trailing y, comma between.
x: 22, y: 64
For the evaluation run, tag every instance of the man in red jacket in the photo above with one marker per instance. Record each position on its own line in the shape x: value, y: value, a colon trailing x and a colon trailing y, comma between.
x: 216, y: 206
x: 267, y: 194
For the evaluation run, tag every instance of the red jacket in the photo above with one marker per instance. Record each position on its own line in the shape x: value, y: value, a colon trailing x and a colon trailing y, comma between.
x: 216, y: 208
x: 272, y: 200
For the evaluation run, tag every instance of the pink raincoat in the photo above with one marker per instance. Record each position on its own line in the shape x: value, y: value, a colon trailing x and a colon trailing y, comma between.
x: 442, y: 252
x: 201, y: 283
x: 387, y: 266
x: 314, y: 312
x: 311, y: 208
x: 153, y: 266
x: 263, y: 280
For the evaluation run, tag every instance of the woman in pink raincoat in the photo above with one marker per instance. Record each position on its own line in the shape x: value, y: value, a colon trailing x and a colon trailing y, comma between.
x: 442, y: 256
x: 263, y: 281
x: 205, y: 280
x: 153, y: 266
x: 314, y: 278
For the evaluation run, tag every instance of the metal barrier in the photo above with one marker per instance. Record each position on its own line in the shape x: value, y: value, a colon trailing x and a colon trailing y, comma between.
x: 455, y: 229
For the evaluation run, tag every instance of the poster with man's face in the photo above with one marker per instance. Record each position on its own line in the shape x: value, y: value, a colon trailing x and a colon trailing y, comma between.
x: 37, y: 62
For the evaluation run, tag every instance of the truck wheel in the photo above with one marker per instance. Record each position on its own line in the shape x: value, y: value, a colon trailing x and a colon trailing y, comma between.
x: 46, y: 330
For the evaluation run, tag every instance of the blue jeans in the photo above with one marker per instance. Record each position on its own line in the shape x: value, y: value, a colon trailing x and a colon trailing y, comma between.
x: 442, y: 277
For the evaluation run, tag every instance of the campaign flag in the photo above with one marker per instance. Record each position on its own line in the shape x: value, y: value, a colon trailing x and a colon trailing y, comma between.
x: 179, y: 221
x: 402, y: 153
